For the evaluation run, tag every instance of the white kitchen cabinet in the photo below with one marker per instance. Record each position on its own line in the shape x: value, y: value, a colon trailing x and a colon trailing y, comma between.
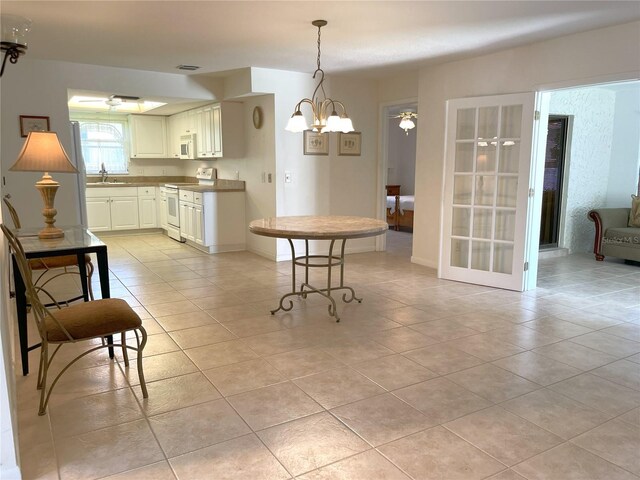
x: 161, y: 203
x: 112, y: 208
x: 178, y: 125
x: 220, y: 130
x: 99, y: 213
x: 213, y: 220
x: 148, y: 134
x: 147, y: 209
x: 124, y: 213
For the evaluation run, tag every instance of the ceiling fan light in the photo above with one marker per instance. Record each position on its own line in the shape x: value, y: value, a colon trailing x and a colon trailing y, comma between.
x: 407, y: 124
x: 297, y: 123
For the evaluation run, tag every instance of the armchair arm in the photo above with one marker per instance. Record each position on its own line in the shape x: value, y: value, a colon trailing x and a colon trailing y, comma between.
x: 605, y: 218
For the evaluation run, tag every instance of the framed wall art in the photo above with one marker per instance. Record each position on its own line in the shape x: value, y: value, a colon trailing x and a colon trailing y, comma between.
x: 29, y: 123
x: 349, y: 144
x: 315, y: 143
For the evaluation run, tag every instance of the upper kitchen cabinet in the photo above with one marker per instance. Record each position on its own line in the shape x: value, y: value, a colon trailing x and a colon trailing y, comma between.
x: 220, y: 130
x: 179, y: 125
x: 148, y: 136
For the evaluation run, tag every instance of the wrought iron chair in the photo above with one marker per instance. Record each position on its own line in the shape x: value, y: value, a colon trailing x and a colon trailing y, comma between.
x: 48, y: 264
x: 78, y: 322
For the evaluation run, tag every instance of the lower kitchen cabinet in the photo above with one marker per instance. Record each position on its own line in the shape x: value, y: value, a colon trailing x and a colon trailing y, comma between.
x: 121, y: 208
x: 213, y: 220
x: 112, y: 213
x: 147, y: 208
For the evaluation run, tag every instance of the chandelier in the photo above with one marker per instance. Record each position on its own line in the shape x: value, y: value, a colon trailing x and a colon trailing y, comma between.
x: 406, y: 122
x: 325, y: 115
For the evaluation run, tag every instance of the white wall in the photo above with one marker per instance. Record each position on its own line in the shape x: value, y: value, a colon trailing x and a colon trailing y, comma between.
x: 625, y: 147
x: 401, y: 151
x: 575, y: 59
x: 588, y: 159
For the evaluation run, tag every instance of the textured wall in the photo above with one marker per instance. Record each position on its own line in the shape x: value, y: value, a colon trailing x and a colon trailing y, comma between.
x: 589, y: 157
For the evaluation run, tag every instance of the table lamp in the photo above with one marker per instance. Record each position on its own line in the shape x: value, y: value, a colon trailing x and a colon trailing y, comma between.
x: 43, y: 152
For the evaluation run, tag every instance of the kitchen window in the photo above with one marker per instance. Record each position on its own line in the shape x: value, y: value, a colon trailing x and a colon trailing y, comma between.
x: 104, y: 141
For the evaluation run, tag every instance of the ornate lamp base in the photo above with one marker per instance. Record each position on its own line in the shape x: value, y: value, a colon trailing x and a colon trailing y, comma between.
x: 48, y: 188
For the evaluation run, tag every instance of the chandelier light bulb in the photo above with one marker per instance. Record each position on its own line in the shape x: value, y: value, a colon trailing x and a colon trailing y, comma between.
x: 297, y: 123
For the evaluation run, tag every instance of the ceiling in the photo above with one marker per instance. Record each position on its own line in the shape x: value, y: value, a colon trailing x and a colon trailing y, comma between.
x: 362, y: 37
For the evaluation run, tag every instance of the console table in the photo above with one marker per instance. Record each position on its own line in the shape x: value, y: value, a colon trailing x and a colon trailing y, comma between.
x: 331, y: 228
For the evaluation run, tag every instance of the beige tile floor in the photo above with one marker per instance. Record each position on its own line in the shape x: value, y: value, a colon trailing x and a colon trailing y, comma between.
x: 426, y: 379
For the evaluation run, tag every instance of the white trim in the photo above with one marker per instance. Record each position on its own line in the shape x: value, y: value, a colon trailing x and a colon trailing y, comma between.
x: 424, y: 262
x: 631, y: 76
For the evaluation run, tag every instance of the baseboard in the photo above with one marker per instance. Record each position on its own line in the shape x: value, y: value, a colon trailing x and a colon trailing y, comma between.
x: 424, y: 262
x: 552, y: 253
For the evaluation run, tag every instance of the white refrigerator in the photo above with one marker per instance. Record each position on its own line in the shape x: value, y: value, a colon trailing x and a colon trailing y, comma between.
x: 81, y: 178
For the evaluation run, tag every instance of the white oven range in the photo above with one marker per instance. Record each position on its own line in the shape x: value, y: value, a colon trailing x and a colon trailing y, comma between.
x: 171, y: 191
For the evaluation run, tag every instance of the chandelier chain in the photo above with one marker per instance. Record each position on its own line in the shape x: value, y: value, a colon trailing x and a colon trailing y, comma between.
x: 319, y: 48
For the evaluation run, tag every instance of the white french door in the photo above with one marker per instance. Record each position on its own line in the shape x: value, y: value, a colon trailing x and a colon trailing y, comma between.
x: 486, y: 190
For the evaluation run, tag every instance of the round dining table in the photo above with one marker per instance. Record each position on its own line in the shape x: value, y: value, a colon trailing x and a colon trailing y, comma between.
x: 331, y: 228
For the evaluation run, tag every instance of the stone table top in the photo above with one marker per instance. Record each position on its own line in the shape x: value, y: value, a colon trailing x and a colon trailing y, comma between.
x: 318, y: 227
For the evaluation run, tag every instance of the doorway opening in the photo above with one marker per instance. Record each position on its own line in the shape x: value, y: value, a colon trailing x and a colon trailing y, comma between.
x: 398, y: 154
x: 558, y: 128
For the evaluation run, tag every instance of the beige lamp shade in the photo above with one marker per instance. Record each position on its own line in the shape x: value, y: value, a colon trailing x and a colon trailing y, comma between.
x: 43, y: 152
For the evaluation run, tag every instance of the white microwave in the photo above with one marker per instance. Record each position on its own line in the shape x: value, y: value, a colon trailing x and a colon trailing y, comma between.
x: 188, y: 146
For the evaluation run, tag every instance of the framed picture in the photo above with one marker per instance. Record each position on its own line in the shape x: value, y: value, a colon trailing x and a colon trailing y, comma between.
x: 29, y: 123
x: 316, y: 143
x: 349, y: 144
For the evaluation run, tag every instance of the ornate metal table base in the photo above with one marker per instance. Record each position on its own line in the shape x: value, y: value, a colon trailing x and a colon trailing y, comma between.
x: 310, y: 261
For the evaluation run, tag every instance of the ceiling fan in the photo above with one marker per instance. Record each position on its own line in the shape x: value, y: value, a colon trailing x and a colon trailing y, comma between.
x: 407, y: 122
x: 113, y: 101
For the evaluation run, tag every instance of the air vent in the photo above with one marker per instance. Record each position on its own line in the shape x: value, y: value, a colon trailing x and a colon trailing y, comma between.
x: 188, y: 67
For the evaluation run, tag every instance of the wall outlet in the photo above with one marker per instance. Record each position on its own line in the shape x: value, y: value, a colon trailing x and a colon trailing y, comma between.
x: 268, y: 177
x: 263, y: 177
x: 287, y: 177
x: 164, y: 171
x: 237, y: 175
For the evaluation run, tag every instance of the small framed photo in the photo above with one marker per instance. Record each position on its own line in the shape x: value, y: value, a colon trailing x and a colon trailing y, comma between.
x: 29, y: 123
x: 316, y: 143
x: 349, y: 144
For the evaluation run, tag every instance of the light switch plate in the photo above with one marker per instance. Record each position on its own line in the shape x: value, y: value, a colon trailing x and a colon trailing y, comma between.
x: 287, y: 177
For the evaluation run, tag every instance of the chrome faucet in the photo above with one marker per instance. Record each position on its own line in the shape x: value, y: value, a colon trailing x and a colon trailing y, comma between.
x: 103, y: 173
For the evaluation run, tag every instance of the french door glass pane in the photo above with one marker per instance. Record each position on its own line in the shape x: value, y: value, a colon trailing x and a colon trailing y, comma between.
x: 488, y: 122
x: 462, y: 189
x: 485, y: 187
x: 509, y: 156
x: 464, y: 157
x: 502, y: 258
x: 486, y: 157
x: 505, y: 225
x: 459, y: 253
x: 480, y: 255
x: 466, y: 124
x: 511, y: 121
x: 507, y: 191
x: 461, y: 224
x: 482, y: 222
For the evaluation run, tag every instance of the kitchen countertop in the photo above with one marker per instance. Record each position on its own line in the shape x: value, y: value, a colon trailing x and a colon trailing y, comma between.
x: 221, y: 185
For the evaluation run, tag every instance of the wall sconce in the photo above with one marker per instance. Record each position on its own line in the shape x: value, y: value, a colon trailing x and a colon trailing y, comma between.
x: 43, y: 152
x: 13, y: 38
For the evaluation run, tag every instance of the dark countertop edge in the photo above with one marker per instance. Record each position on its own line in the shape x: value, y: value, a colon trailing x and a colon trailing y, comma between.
x: 194, y: 188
